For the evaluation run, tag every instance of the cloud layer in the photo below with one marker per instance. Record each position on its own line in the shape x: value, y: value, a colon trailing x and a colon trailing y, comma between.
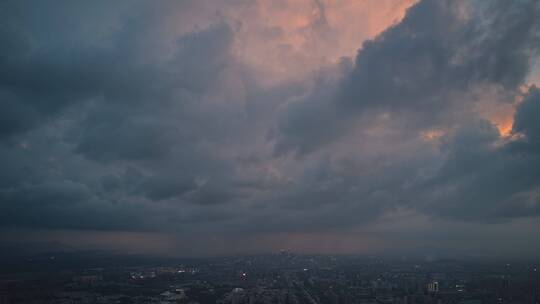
x: 222, y: 124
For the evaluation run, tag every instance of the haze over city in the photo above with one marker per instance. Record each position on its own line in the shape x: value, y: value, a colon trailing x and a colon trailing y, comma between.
x: 204, y: 128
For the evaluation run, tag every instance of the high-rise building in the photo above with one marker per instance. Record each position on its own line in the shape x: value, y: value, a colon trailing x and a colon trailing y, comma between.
x: 433, y: 287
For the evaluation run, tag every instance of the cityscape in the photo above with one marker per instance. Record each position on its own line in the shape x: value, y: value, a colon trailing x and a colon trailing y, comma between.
x: 280, y: 278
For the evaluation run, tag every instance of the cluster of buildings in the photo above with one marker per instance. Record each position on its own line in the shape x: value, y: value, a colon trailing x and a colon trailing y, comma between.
x: 283, y: 279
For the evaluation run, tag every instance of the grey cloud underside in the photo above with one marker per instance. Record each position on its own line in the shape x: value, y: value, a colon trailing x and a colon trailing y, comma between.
x: 127, y: 125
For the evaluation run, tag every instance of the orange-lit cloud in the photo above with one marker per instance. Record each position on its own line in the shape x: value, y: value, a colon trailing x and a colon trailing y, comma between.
x: 286, y: 39
x: 501, y: 115
x: 430, y: 135
x: 497, y: 107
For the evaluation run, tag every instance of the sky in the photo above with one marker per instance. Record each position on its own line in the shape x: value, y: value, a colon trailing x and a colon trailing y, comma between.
x: 205, y: 127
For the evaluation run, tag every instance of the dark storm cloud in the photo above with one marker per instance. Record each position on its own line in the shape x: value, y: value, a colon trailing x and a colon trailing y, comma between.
x: 154, y: 109
x: 45, y: 66
x: 159, y: 188
x: 526, y: 121
x: 422, y: 74
x: 142, y: 122
x: 424, y: 66
x: 481, y: 179
x: 485, y: 176
x: 110, y: 98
